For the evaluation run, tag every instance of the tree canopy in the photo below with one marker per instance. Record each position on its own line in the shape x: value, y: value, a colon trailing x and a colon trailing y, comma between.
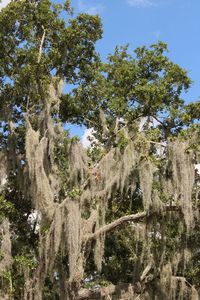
x: 119, y: 220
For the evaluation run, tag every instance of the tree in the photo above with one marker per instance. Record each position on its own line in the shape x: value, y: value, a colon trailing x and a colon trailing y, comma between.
x: 120, y: 220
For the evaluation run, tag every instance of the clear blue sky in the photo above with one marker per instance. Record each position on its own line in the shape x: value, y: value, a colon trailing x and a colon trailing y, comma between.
x: 143, y: 22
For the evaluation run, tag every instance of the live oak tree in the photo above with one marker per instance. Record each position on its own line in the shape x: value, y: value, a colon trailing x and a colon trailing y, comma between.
x: 121, y: 219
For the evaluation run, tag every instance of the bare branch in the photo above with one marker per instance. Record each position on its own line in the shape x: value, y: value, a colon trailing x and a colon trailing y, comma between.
x: 116, y: 125
x: 96, y: 293
x: 146, y: 271
x: 157, y: 143
x: 41, y: 45
x: 108, y: 291
x: 158, y: 120
x: 116, y: 223
x: 103, y: 121
x: 136, y: 289
x: 129, y: 218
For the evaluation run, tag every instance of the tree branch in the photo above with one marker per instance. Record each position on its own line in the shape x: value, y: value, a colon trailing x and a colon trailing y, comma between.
x: 116, y: 223
x: 41, y: 45
x: 96, y: 293
x: 158, y: 120
x: 136, y: 288
x: 103, y: 121
x: 181, y: 278
x: 108, y: 291
x: 157, y: 143
x: 133, y: 217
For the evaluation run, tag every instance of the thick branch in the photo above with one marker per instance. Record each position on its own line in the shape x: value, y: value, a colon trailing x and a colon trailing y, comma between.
x: 103, y: 121
x: 99, y: 293
x: 96, y: 293
x: 116, y: 223
x: 134, y: 217
x: 157, y: 143
x: 133, y: 289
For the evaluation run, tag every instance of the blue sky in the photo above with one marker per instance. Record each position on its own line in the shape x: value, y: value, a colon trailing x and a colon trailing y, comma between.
x: 143, y: 22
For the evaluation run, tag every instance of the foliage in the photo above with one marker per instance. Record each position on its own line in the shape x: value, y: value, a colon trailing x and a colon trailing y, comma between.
x: 63, y: 209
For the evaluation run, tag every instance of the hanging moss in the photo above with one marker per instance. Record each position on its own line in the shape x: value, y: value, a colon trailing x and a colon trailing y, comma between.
x: 182, y: 178
x: 71, y: 222
x: 6, y: 260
